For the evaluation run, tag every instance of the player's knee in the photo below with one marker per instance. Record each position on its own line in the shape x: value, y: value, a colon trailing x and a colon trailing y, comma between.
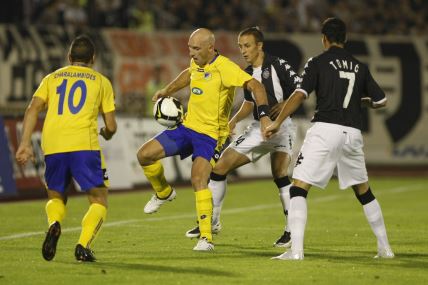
x: 99, y: 196
x: 221, y: 168
x: 144, y: 156
x: 199, y: 182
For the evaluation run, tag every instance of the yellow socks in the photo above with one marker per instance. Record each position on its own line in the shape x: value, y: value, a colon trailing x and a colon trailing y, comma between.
x: 91, y: 223
x: 55, y: 210
x: 204, y: 209
x: 154, y: 174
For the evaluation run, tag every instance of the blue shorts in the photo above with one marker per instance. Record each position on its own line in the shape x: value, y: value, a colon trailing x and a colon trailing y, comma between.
x: 86, y: 167
x: 184, y: 141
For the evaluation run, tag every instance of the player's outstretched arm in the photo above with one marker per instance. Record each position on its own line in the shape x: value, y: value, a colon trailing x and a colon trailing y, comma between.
x: 25, y: 149
x: 181, y: 81
x: 110, y: 128
x: 291, y: 105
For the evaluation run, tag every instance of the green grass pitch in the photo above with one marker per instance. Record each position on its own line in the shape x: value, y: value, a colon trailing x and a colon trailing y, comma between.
x: 135, y: 248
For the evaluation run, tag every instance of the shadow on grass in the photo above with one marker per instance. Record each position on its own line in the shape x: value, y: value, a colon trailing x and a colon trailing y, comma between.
x: 401, y: 260
x: 160, y: 268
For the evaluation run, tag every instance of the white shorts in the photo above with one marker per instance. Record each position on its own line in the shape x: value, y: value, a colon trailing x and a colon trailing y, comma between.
x: 251, y: 143
x: 331, y: 149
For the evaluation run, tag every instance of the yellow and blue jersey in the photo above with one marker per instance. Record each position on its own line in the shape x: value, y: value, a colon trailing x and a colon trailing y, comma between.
x: 74, y: 96
x: 212, y: 89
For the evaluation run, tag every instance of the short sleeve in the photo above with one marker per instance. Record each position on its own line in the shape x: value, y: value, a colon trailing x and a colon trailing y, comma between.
x: 373, y: 90
x: 309, y: 77
x: 233, y: 76
x: 248, y: 96
x: 107, y: 101
x: 43, y: 91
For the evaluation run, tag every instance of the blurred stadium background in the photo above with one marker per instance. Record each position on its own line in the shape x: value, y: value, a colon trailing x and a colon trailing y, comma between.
x: 142, y: 45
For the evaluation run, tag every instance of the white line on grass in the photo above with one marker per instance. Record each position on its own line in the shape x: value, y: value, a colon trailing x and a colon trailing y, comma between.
x: 226, y: 211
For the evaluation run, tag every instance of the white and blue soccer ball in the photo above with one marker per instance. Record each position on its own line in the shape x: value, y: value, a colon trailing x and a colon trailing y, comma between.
x: 168, y: 111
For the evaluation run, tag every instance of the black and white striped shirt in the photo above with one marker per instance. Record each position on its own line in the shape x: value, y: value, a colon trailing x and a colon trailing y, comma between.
x: 278, y: 78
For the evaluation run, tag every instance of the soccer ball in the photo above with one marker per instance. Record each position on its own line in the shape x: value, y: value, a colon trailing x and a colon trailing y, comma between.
x: 168, y: 111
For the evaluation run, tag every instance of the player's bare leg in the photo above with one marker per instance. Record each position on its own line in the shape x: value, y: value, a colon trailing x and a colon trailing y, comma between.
x: 297, y: 219
x: 279, y: 166
x: 374, y: 216
x: 149, y: 156
x: 201, y: 169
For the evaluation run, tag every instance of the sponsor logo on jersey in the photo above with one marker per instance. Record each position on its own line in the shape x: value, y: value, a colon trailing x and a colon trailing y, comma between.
x: 197, y: 91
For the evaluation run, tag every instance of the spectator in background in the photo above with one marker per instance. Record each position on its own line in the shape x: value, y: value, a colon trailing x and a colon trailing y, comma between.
x: 155, y: 83
x: 75, y: 14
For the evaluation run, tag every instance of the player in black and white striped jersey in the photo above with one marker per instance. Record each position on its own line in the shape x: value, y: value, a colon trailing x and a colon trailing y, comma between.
x: 334, y: 143
x: 279, y: 80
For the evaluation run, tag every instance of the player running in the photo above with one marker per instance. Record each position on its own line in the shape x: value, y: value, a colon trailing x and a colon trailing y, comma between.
x: 73, y: 96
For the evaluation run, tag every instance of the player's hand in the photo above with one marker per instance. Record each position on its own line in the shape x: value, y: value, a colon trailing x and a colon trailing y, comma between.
x: 275, y: 110
x: 264, y: 123
x: 159, y: 94
x: 105, y: 134
x: 271, y: 129
x: 24, y: 154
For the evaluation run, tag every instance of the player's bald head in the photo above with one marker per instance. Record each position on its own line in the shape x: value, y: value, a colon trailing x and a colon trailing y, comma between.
x: 202, y: 36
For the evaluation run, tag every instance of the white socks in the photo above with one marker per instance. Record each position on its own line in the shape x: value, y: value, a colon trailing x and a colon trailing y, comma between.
x: 284, y: 196
x: 374, y: 216
x: 297, y: 217
x: 218, y: 190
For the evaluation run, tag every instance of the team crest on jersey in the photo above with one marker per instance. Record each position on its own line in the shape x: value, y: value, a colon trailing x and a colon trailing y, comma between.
x: 197, y: 91
x: 266, y: 73
x: 207, y: 76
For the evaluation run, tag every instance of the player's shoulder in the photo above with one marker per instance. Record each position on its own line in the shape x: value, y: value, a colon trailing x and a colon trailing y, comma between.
x: 314, y: 60
x: 225, y: 63
x: 274, y: 60
x: 223, y: 60
x: 278, y: 62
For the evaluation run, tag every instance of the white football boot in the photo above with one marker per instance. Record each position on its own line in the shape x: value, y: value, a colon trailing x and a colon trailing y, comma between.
x: 155, y: 203
x: 289, y: 255
x: 384, y: 253
x: 204, y: 245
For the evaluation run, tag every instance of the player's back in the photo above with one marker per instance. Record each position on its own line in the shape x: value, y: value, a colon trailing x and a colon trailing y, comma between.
x: 74, y: 96
x: 341, y: 82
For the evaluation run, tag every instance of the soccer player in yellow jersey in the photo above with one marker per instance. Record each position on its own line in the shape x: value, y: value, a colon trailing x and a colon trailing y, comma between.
x: 212, y: 79
x: 73, y: 96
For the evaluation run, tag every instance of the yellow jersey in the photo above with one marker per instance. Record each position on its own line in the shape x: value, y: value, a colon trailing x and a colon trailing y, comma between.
x: 212, y: 89
x: 74, y: 96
